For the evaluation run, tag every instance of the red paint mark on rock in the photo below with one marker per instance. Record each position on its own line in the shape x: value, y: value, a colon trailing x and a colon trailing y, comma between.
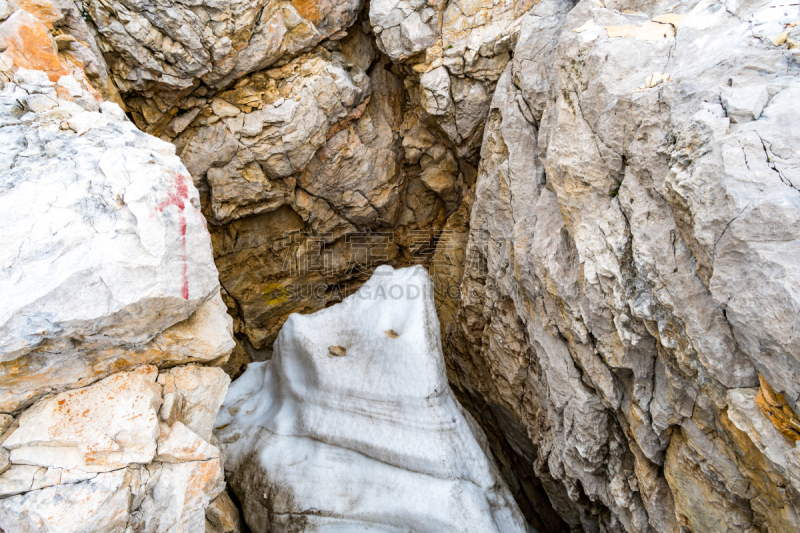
x: 179, y: 197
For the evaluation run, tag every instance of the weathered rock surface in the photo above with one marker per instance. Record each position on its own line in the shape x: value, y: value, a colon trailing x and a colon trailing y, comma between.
x: 107, y: 260
x: 617, y: 293
x: 176, y: 46
x: 296, y: 133
x: 372, y: 439
x: 53, y: 37
x: 317, y: 174
x: 104, y: 458
x: 632, y: 231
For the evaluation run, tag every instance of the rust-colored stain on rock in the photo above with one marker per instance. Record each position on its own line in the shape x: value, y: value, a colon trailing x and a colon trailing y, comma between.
x: 775, y: 407
x: 30, y: 46
x: 308, y: 10
x: 42, y: 10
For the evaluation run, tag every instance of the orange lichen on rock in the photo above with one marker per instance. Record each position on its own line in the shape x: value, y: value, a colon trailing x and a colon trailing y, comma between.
x: 29, y: 45
x: 43, y: 10
x: 775, y: 407
x: 308, y: 10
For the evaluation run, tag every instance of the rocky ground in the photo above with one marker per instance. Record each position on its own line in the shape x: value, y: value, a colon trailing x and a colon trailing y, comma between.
x: 605, y: 193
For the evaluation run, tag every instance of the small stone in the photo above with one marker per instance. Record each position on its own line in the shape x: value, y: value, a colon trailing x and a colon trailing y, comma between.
x: 391, y: 333
x: 224, y: 109
x: 86, y: 121
x: 779, y: 39
x: 5, y: 422
x: 112, y: 110
x: 39, y: 103
x: 223, y: 515
x: 337, y: 351
x: 4, y: 460
x: 71, y: 85
x: 178, y: 443
x: 63, y: 41
x: 6, y: 9
x: 171, y: 408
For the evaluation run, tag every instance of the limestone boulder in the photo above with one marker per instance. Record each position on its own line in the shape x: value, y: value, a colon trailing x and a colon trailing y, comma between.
x: 97, y: 429
x: 268, y: 128
x: 202, y: 390
x: 106, y: 246
x: 99, y: 504
x: 404, y: 28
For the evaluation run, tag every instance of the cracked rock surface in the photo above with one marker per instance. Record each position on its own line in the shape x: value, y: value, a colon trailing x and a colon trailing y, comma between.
x: 628, y: 272
x: 605, y: 193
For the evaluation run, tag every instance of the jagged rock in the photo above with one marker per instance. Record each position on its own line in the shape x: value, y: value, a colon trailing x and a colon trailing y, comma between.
x: 177, y: 443
x: 373, y: 439
x: 175, y: 495
x: 356, y: 203
x: 99, y: 504
x: 174, y: 46
x: 626, y: 262
x: 26, y: 41
x: 101, y: 452
x: 287, y: 114
x: 222, y: 516
x: 779, y: 412
x: 202, y: 390
x: 403, y: 28
x: 614, y: 289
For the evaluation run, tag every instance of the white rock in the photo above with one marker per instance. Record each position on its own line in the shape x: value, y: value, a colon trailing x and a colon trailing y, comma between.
x: 178, y: 443
x: 402, y: 29
x: 39, y: 103
x: 19, y: 479
x: 96, y: 429
x: 87, y: 120
x: 6, y: 9
x: 72, y: 85
x: 744, y: 104
x: 415, y: 34
x: 181, y: 492
x: 436, y: 89
x: 110, y: 109
x: 372, y: 439
x: 206, y: 335
x: 24, y: 76
x: 99, y: 505
x: 102, y: 241
x: 203, y: 391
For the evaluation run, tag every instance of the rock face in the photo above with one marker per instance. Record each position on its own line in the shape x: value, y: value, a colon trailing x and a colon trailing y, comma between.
x: 632, y: 229
x: 268, y: 149
x: 604, y: 192
x: 175, y: 46
x: 107, y: 272
x: 370, y: 437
